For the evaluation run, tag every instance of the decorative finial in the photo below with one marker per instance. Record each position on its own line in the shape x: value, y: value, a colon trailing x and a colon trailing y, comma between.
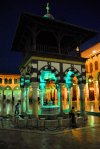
x: 48, y: 15
x: 48, y: 8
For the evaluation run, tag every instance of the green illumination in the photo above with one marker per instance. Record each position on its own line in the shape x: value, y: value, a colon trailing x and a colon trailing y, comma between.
x: 45, y: 76
x: 68, y: 81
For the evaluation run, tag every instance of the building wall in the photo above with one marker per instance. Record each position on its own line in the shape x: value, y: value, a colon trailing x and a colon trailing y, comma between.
x: 10, y: 87
x: 93, y: 55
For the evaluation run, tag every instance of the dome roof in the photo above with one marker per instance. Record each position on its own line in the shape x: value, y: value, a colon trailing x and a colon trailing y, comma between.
x: 48, y: 15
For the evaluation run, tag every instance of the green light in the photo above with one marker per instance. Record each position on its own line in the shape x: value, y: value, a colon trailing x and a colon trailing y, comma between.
x: 68, y: 81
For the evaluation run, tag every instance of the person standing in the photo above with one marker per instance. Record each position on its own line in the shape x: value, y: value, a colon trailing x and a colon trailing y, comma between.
x: 72, y: 114
x: 17, y: 108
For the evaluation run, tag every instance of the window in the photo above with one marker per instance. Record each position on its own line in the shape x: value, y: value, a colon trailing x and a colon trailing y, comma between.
x: 0, y: 80
x: 10, y: 81
x: 5, y: 80
x: 86, y: 68
x: 15, y: 81
x: 96, y: 65
x: 18, y: 81
x: 91, y: 67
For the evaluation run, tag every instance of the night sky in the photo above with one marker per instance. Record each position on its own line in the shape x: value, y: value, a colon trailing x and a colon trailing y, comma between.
x: 84, y: 13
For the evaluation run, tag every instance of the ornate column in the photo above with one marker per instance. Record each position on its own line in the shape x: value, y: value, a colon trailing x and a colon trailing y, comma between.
x: 27, y: 99
x: 96, y: 95
x: 58, y: 89
x: 42, y: 86
x: 23, y: 100
x: 78, y: 96
x: 41, y: 97
x: 82, y: 99
x: 61, y: 107
x: 86, y: 97
x: 69, y: 98
x: 34, y: 100
x: 65, y: 98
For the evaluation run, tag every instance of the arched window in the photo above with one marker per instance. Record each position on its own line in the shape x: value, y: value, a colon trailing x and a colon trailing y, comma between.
x: 15, y: 81
x: 91, y: 67
x: 10, y: 81
x: 86, y: 68
x: 0, y: 80
x: 18, y: 81
x: 5, y: 80
x: 96, y: 65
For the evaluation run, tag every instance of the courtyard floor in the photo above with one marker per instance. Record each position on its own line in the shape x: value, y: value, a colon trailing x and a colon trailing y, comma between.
x: 73, y: 137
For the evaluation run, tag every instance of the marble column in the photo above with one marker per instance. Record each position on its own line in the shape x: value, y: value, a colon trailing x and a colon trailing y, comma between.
x: 27, y: 99
x: 61, y: 107
x: 23, y: 100
x: 34, y: 100
x: 96, y: 95
x: 41, y: 98
x: 69, y: 98
x: 86, y: 97
x: 78, y: 96
x: 82, y: 99
x: 65, y: 97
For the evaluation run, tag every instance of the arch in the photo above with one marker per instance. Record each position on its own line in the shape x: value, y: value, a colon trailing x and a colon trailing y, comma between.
x: 8, y: 93
x: 97, y: 76
x: 87, y: 79
x: 16, y: 87
x: 72, y: 71
x: 7, y: 88
x: 52, y: 69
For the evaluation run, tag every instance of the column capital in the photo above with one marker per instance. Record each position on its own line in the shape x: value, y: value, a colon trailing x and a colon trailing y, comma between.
x: 81, y: 86
x: 61, y: 84
x: 35, y: 84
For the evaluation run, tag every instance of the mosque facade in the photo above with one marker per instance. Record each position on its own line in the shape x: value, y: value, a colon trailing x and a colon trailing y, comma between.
x: 52, y: 67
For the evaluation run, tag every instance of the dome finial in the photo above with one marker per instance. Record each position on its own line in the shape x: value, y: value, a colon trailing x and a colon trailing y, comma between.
x: 48, y: 8
x: 48, y: 15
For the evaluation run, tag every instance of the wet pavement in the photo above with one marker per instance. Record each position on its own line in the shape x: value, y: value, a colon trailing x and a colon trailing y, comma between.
x: 74, y: 137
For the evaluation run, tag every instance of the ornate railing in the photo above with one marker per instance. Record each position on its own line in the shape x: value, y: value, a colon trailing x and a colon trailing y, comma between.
x: 54, y: 50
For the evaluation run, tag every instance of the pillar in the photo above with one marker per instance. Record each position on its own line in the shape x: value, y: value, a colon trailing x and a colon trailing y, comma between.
x: 96, y: 95
x: 65, y: 98
x: 78, y: 96
x: 82, y: 99
x: 34, y: 100
x: 23, y: 100
x: 27, y: 99
x: 41, y: 98
x: 58, y: 89
x: 61, y: 107
x: 86, y: 97
x: 69, y: 99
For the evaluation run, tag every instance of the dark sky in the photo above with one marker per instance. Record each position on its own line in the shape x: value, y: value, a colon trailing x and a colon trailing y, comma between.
x: 84, y: 13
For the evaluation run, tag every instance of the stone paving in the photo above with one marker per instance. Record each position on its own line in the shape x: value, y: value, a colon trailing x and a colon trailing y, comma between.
x: 87, y: 136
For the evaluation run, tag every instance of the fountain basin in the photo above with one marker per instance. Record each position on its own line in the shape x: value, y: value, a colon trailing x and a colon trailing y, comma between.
x: 54, y: 110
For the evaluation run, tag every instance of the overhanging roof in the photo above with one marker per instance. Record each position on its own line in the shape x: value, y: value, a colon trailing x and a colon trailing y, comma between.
x: 28, y: 20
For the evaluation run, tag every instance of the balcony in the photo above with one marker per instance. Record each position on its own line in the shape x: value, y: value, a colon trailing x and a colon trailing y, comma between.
x: 55, y: 51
